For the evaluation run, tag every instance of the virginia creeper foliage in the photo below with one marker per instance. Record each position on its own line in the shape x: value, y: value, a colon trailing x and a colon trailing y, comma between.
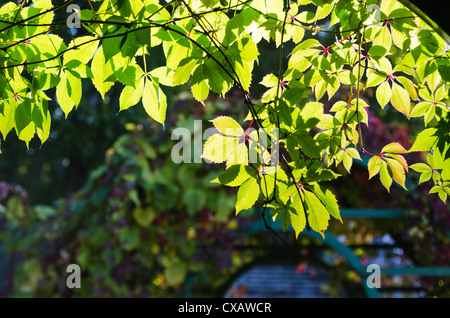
x: 378, y: 48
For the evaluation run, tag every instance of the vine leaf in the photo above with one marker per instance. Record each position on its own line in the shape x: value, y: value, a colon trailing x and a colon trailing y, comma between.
x: 393, y: 147
x: 400, y: 99
x: 247, y: 195
x: 230, y: 145
x: 297, y: 215
x: 425, y: 171
x: 234, y: 176
x: 374, y: 166
x: 318, y: 215
x: 199, y: 85
x: 154, y: 100
x: 328, y: 199
x: 425, y: 140
x: 383, y: 94
x: 228, y: 126
x: 130, y: 95
x: 101, y: 71
x: 390, y: 157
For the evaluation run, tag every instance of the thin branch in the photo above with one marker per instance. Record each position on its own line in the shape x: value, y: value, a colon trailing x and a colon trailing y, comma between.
x: 263, y: 216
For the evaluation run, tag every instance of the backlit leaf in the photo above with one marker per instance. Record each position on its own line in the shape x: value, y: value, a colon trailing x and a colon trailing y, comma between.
x: 383, y: 94
x: 318, y: 215
x: 154, y: 100
x: 374, y: 166
x: 228, y: 126
x: 247, y: 195
x: 400, y: 99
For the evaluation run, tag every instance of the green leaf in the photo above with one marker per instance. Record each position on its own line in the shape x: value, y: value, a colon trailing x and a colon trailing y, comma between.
x: 183, y: 71
x: 383, y: 39
x: 353, y: 153
x: 398, y: 172
x: 68, y: 92
x: 228, y: 126
x: 383, y: 94
x: 154, y: 100
x: 328, y: 199
x: 420, y: 167
x: 375, y: 79
x: 308, y: 145
x: 434, y: 189
x: 374, y: 166
x: 22, y: 116
x: 101, y: 71
x: 377, y: 51
x: 420, y: 109
x: 218, y: 79
x: 43, y: 130
x: 285, y: 219
x: 312, y: 110
x: 297, y: 214
x: 400, y: 159
x: 164, y: 75
x: 247, y: 195
x: 393, y: 147
x: 81, y: 49
x: 269, y: 80
x: 209, y: 3
x: 239, y: 154
x: 129, y: 44
x: 130, y: 95
x: 7, y: 121
x: 199, y: 85
x: 347, y: 161
x: 425, y: 176
x: 112, y: 45
x: 426, y: 140
x: 400, y: 99
x: 409, y: 86
x: 385, y: 176
x: 218, y: 148
x: 443, y: 195
x: 318, y: 215
x: 234, y: 176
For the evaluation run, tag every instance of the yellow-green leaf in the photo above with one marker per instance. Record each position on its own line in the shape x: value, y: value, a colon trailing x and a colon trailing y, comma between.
x: 228, y: 126
x: 101, y: 71
x: 385, y: 176
x: 318, y: 215
x: 400, y: 99
x: 154, y: 100
x: 374, y: 166
x: 383, y: 93
x: 218, y: 148
x: 393, y: 147
x: 130, y: 95
x: 398, y: 172
x: 297, y: 215
x: 247, y: 195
